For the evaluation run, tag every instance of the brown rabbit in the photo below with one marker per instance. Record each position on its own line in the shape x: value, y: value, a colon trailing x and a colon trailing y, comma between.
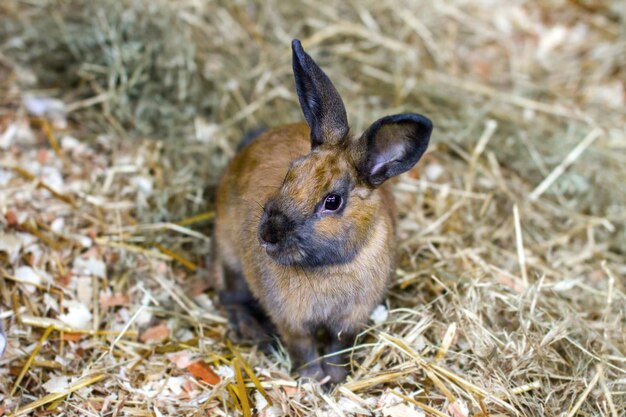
x: 305, y: 226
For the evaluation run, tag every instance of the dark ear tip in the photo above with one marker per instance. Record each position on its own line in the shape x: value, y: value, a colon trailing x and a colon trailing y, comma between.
x: 425, y: 124
x: 422, y: 120
x: 297, y: 49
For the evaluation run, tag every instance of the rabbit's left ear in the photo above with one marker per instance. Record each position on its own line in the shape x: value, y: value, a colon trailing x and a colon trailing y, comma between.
x: 391, y: 146
x: 321, y: 103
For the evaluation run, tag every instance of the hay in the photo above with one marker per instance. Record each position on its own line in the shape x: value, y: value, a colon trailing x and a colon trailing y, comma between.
x: 116, y: 118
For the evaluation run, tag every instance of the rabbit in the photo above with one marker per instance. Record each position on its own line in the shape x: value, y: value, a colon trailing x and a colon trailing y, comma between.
x: 305, y: 226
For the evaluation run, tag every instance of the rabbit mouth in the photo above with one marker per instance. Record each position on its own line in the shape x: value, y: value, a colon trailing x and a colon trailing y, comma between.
x: 294, y: 254
x: 280, y: 254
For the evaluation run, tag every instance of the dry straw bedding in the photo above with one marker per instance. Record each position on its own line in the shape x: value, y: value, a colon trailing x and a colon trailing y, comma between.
x: 116, y: 118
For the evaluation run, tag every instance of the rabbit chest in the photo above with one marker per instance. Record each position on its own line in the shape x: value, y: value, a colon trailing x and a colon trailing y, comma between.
x: 338, y: 297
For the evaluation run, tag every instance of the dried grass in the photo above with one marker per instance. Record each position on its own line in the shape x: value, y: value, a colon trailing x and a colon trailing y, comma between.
x: 510, y: 296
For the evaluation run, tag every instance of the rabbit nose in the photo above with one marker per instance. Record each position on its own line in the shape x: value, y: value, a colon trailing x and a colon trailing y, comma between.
x: 274, y: 228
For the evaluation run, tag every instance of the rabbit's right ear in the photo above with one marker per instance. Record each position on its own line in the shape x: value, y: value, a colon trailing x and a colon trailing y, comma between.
x: 391, y: 146
x: 321, y: 104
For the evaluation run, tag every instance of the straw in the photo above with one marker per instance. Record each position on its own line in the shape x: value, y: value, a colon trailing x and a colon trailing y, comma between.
x: 117, y: 118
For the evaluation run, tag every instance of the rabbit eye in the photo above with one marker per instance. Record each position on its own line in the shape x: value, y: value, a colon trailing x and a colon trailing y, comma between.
x: 332, y: 202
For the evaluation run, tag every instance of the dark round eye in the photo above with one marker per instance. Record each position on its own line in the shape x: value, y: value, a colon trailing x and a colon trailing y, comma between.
x: 332, y: 202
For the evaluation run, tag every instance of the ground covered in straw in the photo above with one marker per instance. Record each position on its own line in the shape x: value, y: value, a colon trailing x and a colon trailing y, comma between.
x: 116, y: 118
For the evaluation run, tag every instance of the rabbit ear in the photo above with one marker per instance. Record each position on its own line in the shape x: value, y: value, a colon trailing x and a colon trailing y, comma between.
x: 321, y: 104
x: 392, y: 145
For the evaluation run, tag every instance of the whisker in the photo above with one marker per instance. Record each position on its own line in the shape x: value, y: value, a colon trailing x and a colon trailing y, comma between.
x: 311, y: 285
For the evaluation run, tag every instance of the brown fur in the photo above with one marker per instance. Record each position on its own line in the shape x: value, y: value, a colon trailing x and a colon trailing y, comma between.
x: 340, y: 296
